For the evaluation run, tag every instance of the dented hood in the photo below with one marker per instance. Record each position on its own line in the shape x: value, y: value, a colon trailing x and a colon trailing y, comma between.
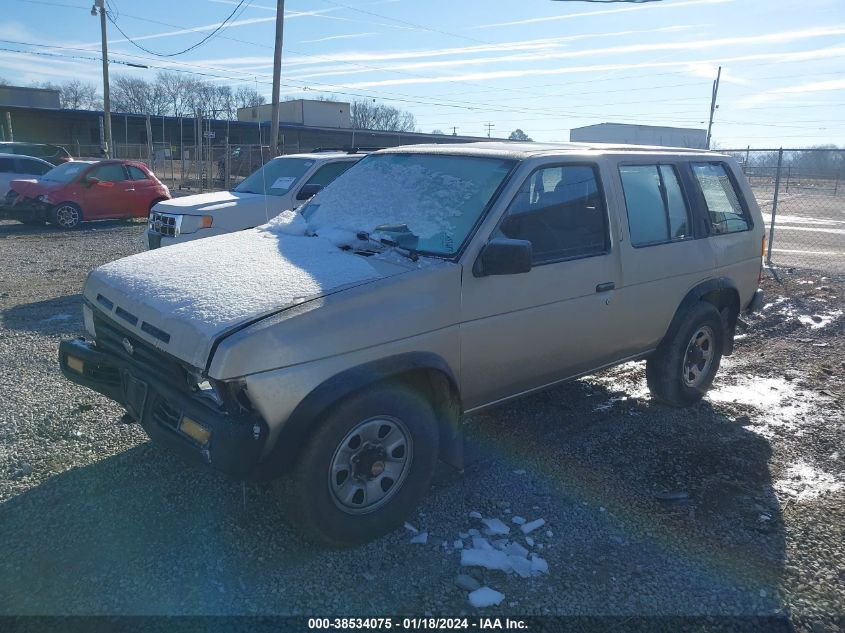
x: 183, y: 298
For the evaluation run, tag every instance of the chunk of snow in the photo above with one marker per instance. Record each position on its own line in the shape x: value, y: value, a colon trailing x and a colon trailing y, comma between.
x: 520, y: 471
x: 463, y: 534
x: 518, y: 520
x: 287, y: 222
x: 487, y: 558
x: 533, y: 525
x: 515, y: 549
x: 485, y: 597
x: 539, y: 564
x: 495, y: 527
x: 500, y: 543
x: 474, y: 515
x: 458, y: 544
x: 549, y: 533
x: 411, y: 528
x: 530, y: 541
x: 421, y: 538
x: 804, y: 482
x: 479, y: 542
x: 473, y: 532
x: 521, y: 565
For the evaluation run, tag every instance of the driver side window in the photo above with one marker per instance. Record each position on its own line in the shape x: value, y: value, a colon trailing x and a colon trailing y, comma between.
x: 109, y: 173
x: 561, y: 211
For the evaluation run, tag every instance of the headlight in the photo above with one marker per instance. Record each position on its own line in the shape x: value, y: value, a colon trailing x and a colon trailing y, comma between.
x: 88, y: 318
x: 193, y: 223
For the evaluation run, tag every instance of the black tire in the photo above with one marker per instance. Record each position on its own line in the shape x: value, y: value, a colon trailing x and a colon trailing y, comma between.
x: 66, y: 215
x: 316, y: 507
x: 671, y: 370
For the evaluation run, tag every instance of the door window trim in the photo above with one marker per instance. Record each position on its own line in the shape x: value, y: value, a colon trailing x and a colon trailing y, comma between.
x: 679, y: 177
x: 596, y: 168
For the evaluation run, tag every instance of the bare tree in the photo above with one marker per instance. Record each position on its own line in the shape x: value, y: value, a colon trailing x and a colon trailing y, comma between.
x: 79, y: 95
x: 437, y: 131
x: 136, y: 95
x: 178, y: 90
x: 246, y: 97
x: 371, y: 116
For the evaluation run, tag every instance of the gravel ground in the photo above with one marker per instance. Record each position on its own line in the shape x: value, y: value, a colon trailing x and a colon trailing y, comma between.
x: 731, y: 507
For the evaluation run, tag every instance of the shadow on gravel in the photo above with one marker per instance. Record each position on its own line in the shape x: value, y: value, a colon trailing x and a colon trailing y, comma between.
x: 59, y: 315
x: 654, y: 511
x: 13, y: 229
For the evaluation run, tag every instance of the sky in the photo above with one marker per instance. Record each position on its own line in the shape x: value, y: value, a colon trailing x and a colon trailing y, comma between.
x: 542, y: 66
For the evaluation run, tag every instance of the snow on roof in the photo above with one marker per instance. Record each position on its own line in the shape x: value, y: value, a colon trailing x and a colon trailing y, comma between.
x: 523, y: 150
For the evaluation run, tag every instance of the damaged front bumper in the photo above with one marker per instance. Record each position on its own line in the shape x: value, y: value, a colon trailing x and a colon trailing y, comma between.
x: 24, y: 209
x: 194, y: 425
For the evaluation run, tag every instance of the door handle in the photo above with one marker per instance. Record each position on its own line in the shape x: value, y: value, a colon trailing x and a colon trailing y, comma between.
x: 605, y: 287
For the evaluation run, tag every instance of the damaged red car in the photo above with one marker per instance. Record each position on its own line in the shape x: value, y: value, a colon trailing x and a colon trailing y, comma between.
x: 81, y: 191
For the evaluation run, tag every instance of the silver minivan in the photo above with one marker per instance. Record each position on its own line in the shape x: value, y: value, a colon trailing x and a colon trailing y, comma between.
x: 342, y: 344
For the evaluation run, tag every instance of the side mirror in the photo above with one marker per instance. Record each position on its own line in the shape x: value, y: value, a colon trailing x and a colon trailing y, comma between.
x: 308, y: 191
x: 92, y: 180
x: 501, y: 256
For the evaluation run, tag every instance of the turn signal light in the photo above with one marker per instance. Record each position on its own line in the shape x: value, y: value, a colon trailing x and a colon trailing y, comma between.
x: 206, y: 221
x: 195, y: 431
x: 76, y: 364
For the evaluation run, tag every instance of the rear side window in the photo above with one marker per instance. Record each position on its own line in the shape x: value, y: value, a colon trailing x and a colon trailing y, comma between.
x: 136, y: 174
x: 325, y: 174
x: 560, y: 210
x: 657, y: 210
x: 35, y: 167
x: 723, y: 205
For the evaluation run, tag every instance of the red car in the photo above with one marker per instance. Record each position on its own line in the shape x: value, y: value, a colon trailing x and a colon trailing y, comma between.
x: 82, y: 190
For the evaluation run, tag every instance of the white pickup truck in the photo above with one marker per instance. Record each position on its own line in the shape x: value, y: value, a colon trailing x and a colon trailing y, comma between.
x: 285, y: 182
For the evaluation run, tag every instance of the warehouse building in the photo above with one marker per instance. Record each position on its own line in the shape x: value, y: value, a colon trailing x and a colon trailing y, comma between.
x: 640, y: 135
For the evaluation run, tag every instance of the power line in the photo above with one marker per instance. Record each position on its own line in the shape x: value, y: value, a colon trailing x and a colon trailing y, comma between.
x: 190, y: 48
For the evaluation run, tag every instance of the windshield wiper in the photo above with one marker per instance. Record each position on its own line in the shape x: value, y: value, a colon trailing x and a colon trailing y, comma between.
x: 408, y: 252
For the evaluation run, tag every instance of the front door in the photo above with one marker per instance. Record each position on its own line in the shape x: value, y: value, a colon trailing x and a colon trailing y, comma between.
x: 523, y: 331
x: 111, y: 197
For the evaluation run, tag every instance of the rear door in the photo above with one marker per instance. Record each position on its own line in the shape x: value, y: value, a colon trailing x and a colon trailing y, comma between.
x: 523, y: 331
x: 145, y: 191
x: 664, y: 250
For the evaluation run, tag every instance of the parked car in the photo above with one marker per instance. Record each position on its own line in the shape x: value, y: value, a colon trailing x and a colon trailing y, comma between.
x: 80, y: 191
x: 54, y: 154
x: 340, y: 344
x: 283, y: 183
x: 19, y: 167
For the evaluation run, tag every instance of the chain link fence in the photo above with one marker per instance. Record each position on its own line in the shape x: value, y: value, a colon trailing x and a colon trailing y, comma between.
x: 802, y: 196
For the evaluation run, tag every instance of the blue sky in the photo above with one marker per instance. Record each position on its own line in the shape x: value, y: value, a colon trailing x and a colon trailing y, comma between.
x: 538, y: 65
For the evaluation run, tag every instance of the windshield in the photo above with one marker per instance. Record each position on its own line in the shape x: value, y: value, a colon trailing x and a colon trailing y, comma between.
x: 427, y: 202
x: 276, y: 177
x: 65, y: 172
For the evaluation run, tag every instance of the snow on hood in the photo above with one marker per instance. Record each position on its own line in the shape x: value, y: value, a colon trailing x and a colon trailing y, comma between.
x: 197, y: 290
x: 204, y: 203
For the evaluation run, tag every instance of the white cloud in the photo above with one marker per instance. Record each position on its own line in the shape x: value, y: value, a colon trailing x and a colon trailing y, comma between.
x: 780, y: 93
x: 349, y: 36
x: 707, y: 70
x: 569, y: 16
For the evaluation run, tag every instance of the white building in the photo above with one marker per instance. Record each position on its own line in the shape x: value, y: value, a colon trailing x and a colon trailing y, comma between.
x: 640, y: 135
x: 303, y: 112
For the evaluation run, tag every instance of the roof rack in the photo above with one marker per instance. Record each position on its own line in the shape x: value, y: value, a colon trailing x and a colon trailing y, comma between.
x: 348, y: 150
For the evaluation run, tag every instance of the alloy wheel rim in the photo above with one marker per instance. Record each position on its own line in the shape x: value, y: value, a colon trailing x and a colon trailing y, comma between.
x: 699, y: 356
x: 370, y: 464
x: 67, y: 216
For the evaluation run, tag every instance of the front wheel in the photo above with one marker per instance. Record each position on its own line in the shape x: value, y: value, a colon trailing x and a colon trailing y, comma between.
x: 366, y: 467
x: 66, y: 215
x: 682, y: 369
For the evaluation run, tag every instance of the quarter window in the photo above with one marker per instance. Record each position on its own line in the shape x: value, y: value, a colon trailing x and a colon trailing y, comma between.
x: 657, y: 210
x: 723, y: 205
x: 327, y: 173
x: 560, y: 210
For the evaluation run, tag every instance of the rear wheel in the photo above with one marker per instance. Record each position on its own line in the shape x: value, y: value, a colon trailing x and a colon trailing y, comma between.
x: 66, y: 215
x: 366, y: 467
x: 683, y: 368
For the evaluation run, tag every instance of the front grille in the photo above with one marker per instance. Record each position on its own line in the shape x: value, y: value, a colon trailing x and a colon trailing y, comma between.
x: 111, y: 338
x: 165, y: 224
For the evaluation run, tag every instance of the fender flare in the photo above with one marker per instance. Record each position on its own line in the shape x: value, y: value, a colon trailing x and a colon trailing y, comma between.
x: 724, y: 291
x: 426, y: 367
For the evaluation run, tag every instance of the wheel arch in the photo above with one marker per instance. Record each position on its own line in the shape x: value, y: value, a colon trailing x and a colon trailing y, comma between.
x: 426, y: 372
x: 723, y: 294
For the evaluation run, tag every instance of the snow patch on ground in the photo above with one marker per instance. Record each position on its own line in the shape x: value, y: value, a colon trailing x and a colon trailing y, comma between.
x: 628, y: 379
x: 816, y: 319
x: 804, y: 482
x: 781, y: 406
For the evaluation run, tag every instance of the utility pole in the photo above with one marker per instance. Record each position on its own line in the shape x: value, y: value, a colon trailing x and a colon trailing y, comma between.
x: 489, y: 127
x: 713, y: 105
x: 454, y: 130
x: 277, y: 77
x: 100, y: 4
